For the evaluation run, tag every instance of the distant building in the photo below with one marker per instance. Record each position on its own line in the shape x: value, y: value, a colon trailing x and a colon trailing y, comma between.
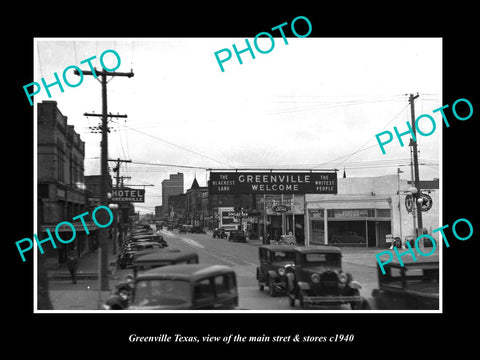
x: 196, y: 204
x: 171, y: 186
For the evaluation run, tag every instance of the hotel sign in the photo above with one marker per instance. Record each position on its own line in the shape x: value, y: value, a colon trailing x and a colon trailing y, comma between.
x: 128, y: 195
x: 273, y: 183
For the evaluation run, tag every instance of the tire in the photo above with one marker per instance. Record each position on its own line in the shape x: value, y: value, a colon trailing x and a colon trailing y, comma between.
x: 291, y: 297
x: 300, y: 300
x: 272, y: 290
x: 260, y: 286
x: 355, y: 305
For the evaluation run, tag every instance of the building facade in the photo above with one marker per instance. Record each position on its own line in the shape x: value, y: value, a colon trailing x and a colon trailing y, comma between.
x: 368, y: 210
x: 60, y: 181
x: 171, y: 186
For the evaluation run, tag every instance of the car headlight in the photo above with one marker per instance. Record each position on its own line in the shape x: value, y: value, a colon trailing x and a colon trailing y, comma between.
x: 281, y: 271
x: 315, y: 278
x: 343, y: 278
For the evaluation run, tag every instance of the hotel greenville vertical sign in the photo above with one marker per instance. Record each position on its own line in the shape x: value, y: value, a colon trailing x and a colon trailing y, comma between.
x: 273, y: 183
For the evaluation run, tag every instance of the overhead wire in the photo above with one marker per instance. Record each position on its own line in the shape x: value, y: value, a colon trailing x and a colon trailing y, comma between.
x: 176, y: 145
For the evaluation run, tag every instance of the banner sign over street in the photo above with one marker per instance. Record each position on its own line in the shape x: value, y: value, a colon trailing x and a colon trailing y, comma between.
x: 128, y: 195
x: 273, y: 183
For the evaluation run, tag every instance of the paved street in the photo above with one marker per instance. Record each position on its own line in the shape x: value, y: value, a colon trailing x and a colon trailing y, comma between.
x: 243, y: 258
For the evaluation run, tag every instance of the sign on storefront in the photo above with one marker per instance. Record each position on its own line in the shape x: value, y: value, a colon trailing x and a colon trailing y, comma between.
x: 273, y: 183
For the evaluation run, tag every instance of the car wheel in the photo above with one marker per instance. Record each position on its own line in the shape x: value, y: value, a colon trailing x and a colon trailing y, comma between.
x: 356, y: 305
x: 272, y: 290
x: 300, y: 300
x: 292, y: 244
x: 291, y: 299
x: 260, y: 286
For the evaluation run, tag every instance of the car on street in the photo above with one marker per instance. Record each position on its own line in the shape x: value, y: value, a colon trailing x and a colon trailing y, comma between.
x: 317, y: 279
x: 237, y: 236
x: 145, y: 260
x: 189, y: 286
x: 148, y: 237
x: 219, y: 233
x: 197, y: 230
x: 274, y: 261
x: 185, y: 228
x: 413, y: 286
x: 126, y: 255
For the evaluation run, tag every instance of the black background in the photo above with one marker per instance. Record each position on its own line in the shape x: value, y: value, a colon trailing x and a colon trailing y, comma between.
x: 102, y: 335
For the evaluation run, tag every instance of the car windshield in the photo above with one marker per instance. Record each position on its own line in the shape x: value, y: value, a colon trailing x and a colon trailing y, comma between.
x: 323, y: 259
x: 160, y: 292
x: 282, y: 256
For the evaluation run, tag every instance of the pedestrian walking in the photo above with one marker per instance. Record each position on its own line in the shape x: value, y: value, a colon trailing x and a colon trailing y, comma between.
x: 72, y: 264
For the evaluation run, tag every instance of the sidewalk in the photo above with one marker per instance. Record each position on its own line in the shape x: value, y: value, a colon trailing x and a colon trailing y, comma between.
x: 87, y: 267
x: 83, y: 295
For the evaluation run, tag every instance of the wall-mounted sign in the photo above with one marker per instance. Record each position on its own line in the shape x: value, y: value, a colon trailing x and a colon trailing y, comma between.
x: 281, y: 208
x: 272, y: 183
x: 128, y: 195
x: 427, y: 202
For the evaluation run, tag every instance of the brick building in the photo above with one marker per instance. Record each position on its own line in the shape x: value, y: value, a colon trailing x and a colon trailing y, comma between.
x: 60, y: 181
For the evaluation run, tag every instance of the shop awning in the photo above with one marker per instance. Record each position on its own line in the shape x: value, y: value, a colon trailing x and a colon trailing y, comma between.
x: 350, y: 203
x: 67, y: 228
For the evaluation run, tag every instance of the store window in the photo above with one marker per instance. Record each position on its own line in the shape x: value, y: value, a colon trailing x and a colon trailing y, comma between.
x: 383, y: 213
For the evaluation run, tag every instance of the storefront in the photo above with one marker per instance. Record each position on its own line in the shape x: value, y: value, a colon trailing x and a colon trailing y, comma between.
x: 366, y: 210
x: 351, y: 222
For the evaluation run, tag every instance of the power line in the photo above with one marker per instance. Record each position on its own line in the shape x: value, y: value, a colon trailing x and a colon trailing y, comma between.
x: 177, y: 146
x: 333, y: 104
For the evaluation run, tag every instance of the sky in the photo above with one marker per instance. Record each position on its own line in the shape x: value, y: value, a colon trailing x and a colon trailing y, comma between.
x: 314, y: 103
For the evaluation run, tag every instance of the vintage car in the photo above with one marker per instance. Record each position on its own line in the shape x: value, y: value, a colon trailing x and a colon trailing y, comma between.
x: 237, y: 236
x: 219, y: 233
x: 274, y: 261
x: 185, y: 228
x: 413, y: 286
x: 146, y: 261
x: 317, y: 278
x: 127, y: 254
x: 148, y: 237
x: 191, y: 286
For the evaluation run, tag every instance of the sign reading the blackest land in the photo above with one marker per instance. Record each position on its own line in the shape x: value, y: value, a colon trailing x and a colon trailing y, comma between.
x: 273, y: 183
x: 128, y: 195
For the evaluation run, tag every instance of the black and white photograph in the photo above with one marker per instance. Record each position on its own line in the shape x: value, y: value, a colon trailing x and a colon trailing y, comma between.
x: 274, y: 182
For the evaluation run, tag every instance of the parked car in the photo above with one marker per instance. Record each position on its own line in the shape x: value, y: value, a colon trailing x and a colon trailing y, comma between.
x: 197, y: 230
x: 190, y: 286
x: 144, y: 261
x: 317, y: 278
x: 126, y: 255
x: 219, y: 233
x: 237, y: 236
x: 274, y: 262
x: 149, y: 237
x: 185, y: 229
x: 413, y: 286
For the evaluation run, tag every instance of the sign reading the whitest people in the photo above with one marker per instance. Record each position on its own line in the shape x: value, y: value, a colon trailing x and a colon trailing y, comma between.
x: 273, y: 183
x: 128, y: 195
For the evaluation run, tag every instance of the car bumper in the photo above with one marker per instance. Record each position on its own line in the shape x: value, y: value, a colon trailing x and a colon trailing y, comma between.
x: 331, y: 300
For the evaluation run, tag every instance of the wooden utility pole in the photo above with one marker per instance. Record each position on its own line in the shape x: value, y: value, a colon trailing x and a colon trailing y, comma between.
x: 103, y: 232
x: 416, y: 196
